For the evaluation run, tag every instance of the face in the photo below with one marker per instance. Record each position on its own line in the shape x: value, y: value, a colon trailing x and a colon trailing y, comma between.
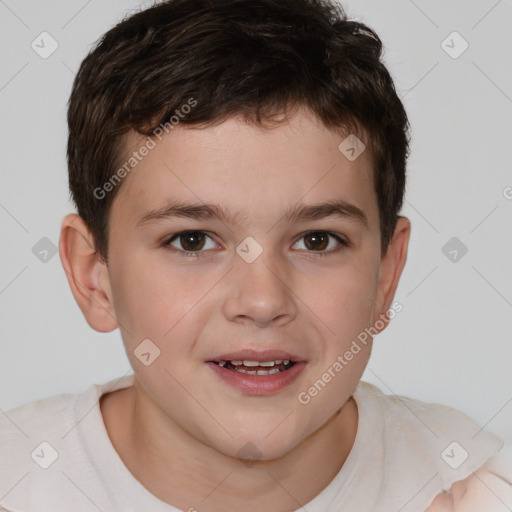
x: 223, y: 246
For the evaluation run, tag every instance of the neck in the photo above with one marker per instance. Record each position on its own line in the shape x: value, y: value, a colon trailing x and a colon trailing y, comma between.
x: 186, y: 473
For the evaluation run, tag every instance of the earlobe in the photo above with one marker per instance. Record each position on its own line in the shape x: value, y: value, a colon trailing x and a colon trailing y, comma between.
x: 391, y: 266
x: 87, y: 274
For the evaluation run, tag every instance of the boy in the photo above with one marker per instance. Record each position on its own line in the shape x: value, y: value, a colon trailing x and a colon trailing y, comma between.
x: 238, y: 168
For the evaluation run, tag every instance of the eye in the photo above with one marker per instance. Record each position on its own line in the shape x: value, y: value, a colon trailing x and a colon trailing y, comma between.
x: 319, y: 241
x: 191, y: 241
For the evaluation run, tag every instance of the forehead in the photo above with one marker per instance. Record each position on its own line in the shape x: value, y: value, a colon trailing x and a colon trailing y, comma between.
x: 256, y: 173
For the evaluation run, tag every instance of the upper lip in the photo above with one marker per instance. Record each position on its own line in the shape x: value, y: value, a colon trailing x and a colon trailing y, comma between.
x: 257, y: 355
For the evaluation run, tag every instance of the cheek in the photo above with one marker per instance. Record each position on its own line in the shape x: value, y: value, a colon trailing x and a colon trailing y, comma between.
x: 154, y: 301
x: 342, y: 299
x: 345, y: 310
x: 146, y: 300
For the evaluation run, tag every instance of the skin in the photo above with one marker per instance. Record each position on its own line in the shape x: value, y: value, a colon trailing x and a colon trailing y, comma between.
x: 179, y: 428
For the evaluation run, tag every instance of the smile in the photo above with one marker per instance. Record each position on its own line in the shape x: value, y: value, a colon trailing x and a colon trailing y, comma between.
x: 257, y: 377
x: 257, y: 367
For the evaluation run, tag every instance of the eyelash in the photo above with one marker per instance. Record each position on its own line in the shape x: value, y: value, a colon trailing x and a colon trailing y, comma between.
x: 195, y: 254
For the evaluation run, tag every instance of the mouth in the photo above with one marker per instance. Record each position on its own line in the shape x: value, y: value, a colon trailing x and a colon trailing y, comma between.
x: 249, y: 367
x: 258, y: 372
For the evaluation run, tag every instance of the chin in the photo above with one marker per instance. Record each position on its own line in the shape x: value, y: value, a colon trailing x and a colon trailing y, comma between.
x: 259, y: 445
x: 254, y: 451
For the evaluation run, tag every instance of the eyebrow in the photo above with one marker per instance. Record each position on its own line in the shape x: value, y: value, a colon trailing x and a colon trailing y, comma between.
x: 299, y: 212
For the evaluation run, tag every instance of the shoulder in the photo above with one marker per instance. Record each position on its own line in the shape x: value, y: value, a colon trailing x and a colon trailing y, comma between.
x: 413, y: 424
x: 55, y: 415
x: 426, y: 446
x: 488, y: 489
x: 30, y: 443
x: 24, y: 428
x: 43, y: 409
x: 45, y: 451
x: 41, y: 451
x: 32, y: 419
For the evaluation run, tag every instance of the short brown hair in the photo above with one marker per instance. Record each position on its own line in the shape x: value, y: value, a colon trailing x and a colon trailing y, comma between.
x: 254, y: 58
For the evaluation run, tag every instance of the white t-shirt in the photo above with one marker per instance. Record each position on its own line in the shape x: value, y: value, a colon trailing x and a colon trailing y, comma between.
x: 56, y: 456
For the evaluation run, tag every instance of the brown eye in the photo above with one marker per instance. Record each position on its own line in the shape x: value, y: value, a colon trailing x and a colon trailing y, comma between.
x: 191, y: 241
x: 316, y: 241
x: 322, y: 242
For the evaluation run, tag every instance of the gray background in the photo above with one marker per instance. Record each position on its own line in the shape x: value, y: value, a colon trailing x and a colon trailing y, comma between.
x: 450, y: 344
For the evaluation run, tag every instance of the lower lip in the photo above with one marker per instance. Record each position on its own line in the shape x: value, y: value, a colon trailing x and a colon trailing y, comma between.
x: 258, y: 384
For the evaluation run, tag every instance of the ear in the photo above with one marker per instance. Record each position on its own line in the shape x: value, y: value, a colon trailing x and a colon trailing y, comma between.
x: 87, y: 274
x: 390, y: 270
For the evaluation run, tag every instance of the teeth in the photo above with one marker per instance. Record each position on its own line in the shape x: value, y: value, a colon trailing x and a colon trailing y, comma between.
x: 248, y: 363
x: 258, y: 372
x: 269, y: 372
x: 259, y: 363
x: 251, y: 363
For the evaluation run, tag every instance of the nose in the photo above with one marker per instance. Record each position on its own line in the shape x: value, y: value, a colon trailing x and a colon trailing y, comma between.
x: 260, y: 292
